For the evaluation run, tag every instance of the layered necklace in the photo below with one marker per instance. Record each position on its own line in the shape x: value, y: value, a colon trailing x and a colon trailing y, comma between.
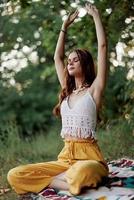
x: 80, y: 88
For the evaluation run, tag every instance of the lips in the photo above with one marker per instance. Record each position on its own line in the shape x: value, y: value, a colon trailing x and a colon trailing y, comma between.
x: 71, y: 68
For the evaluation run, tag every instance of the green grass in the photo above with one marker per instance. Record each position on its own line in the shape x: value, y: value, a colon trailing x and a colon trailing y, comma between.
x: 115, y: 142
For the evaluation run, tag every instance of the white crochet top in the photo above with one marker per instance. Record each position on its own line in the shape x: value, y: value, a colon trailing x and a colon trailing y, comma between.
x: 79, y: 121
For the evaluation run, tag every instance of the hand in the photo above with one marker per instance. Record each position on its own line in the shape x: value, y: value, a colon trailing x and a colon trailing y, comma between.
x: 70, y: 18
x: 91, y: 10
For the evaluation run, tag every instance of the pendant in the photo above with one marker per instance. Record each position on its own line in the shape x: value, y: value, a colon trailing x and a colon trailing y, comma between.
x: 82, y: 87
x: 78, y: 90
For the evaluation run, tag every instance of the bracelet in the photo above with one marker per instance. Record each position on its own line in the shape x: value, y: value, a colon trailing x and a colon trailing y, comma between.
x: 63, y: 31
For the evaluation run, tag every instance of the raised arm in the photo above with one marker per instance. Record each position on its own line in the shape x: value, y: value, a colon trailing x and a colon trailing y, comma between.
x: 59, y: 51
x: 100, y: 80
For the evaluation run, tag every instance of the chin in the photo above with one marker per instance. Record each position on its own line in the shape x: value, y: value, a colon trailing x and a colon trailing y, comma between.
x: 71, y: 73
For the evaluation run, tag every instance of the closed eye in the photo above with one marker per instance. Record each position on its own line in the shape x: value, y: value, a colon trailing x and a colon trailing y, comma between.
x: 74, y: 60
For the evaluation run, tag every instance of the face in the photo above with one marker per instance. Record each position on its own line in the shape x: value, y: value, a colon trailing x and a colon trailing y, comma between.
x: 73, y: 66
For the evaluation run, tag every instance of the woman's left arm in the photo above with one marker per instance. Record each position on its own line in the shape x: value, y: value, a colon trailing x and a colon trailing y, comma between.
x: 100, y: 80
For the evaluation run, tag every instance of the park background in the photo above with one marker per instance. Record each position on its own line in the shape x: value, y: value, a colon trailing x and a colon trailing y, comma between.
x: 29, y: 87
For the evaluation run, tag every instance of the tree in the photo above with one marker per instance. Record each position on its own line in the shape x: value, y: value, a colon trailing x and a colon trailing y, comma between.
x: 29, y: 85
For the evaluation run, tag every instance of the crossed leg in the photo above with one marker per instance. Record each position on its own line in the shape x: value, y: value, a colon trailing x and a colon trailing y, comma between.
x: 81, y: 174
x: 34, y: 177
x: 87, y: 173
x: 56, y: 174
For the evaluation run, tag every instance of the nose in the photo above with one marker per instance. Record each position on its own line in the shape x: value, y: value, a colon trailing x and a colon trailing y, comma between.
x: 71, y: 62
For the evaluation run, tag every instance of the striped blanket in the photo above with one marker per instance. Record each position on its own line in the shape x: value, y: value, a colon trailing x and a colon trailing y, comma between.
x: 118, y: 186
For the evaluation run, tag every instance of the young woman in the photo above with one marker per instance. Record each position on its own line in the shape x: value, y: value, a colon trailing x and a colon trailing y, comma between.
x: 80, y: 163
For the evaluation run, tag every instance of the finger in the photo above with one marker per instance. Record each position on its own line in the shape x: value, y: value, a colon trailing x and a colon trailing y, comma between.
x: 76, y: 12
x: 94, y: 7
x: 73, y: 12
x: 70, y: 15
x: 88, y: 5
x: 86, y: 8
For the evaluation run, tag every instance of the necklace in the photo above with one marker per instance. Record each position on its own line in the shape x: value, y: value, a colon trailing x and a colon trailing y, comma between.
x: 79, y: 89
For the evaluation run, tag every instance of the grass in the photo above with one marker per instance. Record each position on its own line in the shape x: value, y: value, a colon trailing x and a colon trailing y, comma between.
x: 115, y: 142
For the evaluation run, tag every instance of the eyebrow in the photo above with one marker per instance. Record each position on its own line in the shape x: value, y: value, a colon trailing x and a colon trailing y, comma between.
x: 73, y: 58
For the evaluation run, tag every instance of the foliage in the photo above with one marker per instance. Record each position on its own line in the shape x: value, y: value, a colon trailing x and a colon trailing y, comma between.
x: 29, y: 31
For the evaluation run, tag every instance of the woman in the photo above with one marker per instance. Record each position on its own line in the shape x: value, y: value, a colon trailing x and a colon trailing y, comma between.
x: 80, y: 163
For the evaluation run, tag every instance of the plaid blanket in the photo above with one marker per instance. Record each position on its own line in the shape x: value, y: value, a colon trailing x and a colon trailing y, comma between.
x: 118, y: 186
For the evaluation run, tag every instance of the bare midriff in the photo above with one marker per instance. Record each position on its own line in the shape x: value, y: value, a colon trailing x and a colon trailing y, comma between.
x: 79, y: 139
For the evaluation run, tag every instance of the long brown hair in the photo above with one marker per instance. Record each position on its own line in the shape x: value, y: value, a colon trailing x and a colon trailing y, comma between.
x: 88, y: 69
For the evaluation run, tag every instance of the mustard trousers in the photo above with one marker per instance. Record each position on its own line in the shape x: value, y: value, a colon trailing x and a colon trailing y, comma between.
x: 81, y: 160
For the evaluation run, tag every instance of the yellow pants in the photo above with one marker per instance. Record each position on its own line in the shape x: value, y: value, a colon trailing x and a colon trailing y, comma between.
x: 82, y: 162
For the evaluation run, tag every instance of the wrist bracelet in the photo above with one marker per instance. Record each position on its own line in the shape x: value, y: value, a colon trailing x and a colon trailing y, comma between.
x: 63, y: 31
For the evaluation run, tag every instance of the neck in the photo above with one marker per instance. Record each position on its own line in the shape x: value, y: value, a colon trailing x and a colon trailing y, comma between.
x: 79, y: 82
x: 80, y: 88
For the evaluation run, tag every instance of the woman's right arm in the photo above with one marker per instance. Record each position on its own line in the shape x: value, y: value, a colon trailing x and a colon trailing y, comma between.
x: 60, y: 47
